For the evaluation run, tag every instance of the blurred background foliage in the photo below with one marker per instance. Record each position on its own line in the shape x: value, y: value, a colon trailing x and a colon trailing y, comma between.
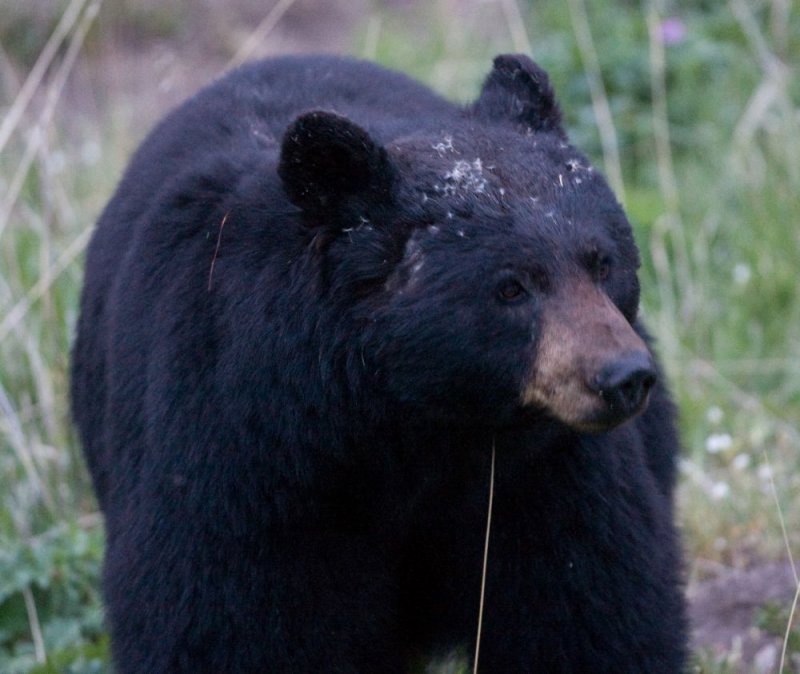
x: 691, y: 110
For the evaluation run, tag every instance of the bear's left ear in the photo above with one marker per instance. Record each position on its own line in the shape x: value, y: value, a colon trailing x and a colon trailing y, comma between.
x: 327, y: 159
x: 519, y: 90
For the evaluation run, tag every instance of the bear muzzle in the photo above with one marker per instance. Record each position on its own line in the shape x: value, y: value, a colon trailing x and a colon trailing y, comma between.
x: 592, y: 371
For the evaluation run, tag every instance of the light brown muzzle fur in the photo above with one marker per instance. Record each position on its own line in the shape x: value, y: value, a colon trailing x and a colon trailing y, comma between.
x: 582, y: 335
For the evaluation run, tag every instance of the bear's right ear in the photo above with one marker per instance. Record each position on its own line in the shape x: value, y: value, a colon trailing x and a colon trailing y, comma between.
x: 327, y: 159
x: 519, y: 90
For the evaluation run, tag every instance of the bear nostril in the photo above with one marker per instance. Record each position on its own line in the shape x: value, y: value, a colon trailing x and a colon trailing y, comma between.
x: 624, y: 383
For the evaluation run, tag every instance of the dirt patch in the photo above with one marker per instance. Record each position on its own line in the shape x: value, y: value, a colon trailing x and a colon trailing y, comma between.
x: 739, y: 612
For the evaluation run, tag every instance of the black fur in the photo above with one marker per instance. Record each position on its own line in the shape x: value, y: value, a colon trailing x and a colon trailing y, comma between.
x: 292, y: 363
x: 519, y: 90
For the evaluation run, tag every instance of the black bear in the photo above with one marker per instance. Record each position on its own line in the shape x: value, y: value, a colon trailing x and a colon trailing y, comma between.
x: 318, y: 302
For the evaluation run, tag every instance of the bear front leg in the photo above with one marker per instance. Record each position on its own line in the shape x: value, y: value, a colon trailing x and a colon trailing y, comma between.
x: 583, y: 571
x: 593, y: 585
x: 304, y: 601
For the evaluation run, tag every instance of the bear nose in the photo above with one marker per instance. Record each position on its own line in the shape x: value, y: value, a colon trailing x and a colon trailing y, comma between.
x: 625, y: 382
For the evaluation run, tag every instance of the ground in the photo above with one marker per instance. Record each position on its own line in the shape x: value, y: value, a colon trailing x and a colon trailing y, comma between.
x: 736, y: 612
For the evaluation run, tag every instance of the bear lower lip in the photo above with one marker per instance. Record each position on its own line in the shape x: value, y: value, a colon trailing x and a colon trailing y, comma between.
x: 599, y: 426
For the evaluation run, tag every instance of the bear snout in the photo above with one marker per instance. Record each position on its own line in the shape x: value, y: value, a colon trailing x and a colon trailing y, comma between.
x: 592, y: 371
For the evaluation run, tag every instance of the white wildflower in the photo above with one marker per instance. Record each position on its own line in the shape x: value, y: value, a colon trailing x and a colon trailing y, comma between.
x: 719, y: 490
x: 740, y: 462
x: 714, y: 415
x: 718, y: 442
x: 741, y: 274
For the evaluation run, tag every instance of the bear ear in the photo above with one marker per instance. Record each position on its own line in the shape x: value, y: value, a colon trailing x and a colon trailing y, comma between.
x: 519, y: 90
x: 326, y: 159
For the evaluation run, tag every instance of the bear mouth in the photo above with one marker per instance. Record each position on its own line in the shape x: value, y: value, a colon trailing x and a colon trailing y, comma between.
x: 608, y: 417
x: 619, y: 392
x: 600, y: 419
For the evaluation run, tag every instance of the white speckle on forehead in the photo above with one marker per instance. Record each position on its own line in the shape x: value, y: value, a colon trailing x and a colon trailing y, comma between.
x: 467, y: 176
x: 574, y: 165
x: 560, y: 180
x: 445, y: 146
x: 461, y: 233
x: 433, y: 230
x: 363, y: 225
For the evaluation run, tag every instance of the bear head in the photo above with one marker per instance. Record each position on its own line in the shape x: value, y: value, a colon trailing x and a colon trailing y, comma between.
x: 486, y: 271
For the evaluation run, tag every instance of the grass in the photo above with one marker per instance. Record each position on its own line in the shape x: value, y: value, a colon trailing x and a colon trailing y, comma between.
x: 700, y: 131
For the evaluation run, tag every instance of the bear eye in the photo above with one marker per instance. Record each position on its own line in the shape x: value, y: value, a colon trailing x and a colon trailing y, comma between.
x: 599, y: 265
x: 511, y: 290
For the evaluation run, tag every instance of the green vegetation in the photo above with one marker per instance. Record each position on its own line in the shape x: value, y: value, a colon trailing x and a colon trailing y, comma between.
x: 49, y: 603
x: 691, y: 109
